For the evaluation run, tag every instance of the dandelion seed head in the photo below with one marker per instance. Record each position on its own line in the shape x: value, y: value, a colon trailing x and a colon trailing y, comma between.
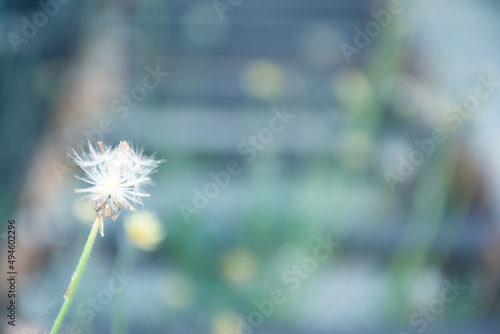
x: 115, y: 176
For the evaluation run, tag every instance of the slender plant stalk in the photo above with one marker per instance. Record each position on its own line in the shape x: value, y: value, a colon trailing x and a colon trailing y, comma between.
x: 76, y: 277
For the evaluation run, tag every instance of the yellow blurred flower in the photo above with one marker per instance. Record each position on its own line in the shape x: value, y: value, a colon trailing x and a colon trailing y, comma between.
x: 83, y: 212
x: 353, y: 89
x: 225, y: 322
x: 263, y: 79
x: 356, y: 149
x: 177, y: 290
x: 144, y: 230
x: 239, y: 265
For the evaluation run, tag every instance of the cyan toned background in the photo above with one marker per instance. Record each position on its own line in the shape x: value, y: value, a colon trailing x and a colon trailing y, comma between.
x: 373, y: 207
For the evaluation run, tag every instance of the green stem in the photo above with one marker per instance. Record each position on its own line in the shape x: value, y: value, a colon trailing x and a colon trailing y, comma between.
x: 76, y: 277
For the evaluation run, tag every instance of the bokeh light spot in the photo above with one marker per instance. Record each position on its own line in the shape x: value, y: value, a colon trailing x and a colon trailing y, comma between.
x: 356, y: 149
x: 225, y: 322
x: 83, y: 212
x: 353, y: 89
x: 262, y: 79
x: 177, y: 290
x: 239, y: 265
x: 144, y: 230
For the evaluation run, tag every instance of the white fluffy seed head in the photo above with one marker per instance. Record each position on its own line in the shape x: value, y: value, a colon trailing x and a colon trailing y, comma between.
x: 116, y: 176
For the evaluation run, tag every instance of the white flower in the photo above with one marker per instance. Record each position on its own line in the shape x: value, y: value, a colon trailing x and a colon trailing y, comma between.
x: 116, y: 176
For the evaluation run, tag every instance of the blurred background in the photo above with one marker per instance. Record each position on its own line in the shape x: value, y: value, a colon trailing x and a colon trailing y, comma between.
x: 367, y: 124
